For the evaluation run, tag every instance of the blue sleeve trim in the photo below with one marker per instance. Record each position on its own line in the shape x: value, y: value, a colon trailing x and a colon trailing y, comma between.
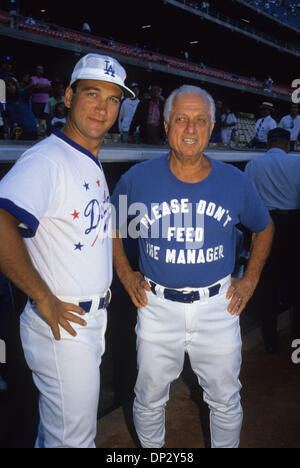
x: 23, y: 216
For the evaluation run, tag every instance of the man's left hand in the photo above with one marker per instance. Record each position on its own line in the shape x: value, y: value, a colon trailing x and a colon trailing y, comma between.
x: 240, y: 292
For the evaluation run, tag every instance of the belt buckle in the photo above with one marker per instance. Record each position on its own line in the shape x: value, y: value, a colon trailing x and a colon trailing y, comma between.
x: 189, y: 293
x: 193, y: 297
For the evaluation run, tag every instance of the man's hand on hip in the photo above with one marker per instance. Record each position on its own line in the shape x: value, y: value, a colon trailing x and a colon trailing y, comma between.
x: 58, y: 313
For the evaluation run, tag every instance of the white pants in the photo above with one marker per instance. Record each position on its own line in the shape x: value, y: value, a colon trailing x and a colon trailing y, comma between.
x: 212, y: 339
x: 67, y: 376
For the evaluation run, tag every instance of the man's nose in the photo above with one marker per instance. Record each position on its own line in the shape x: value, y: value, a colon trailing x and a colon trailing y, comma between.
x: 190, y: 126
x: 101, y: 106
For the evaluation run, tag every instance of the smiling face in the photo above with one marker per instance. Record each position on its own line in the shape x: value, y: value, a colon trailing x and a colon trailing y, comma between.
x: 93, y: 109
x: 190, y: 126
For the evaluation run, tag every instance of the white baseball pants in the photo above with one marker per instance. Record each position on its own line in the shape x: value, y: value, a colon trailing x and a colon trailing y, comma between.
x: 212, y: 339
x: 67, y: 376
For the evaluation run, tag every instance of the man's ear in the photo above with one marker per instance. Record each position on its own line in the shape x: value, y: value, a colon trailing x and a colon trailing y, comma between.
x: 166, y: 125
x: 68, y: 97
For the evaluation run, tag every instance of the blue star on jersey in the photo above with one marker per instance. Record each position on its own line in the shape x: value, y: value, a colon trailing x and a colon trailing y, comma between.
x: 78, y: 246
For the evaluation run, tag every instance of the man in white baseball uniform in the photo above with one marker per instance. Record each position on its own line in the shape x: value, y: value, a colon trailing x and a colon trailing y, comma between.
x: 188, y: 207
x: 55, y: 245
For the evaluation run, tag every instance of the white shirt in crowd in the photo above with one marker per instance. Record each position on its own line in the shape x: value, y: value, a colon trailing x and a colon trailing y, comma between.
x: 262, y: 128
x: 126, y: 115
x: 292, y: 125
x: 227, y: 131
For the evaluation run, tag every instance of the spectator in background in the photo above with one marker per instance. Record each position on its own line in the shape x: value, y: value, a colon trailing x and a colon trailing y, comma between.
x: 59, y: 119
x: 41, y: 92
x: 20, y: 118
x: 86, y: 29
x: 291, y: 122
x: 267, y: 84
x: 6, y: 67
x: 229, y: 122
x: 2, y: 121
x: 263, y: 126
x: 57, y: 97
x: 216, y: 136
x: 127, y: 112
x: 149, y: 117
x: 276, y: 176
x: 14, y: 11
x: 30, y: 21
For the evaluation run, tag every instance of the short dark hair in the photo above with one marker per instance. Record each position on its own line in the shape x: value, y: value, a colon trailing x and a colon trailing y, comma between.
x: 279, y: 135
x: 74, y: 86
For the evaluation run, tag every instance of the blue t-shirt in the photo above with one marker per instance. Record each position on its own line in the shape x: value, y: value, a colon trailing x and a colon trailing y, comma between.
x: 186, y: 232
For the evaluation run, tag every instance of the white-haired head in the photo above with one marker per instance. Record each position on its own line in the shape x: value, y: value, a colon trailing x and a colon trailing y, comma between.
x: 188, y: 89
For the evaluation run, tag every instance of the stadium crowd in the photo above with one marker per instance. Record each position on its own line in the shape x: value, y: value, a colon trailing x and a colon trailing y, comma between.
x: 35, y: 107
x: 284, y: 10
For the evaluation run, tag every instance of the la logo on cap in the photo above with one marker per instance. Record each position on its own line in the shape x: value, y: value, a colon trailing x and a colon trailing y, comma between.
x: 109, y: 69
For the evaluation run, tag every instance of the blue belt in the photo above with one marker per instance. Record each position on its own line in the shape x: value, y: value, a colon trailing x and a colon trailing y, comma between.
x: 87, y: 305
x: 185, y: 297
x: 103, y: 303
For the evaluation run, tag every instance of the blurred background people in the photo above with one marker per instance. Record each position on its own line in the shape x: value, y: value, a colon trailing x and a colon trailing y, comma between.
x: 20, y: 118
x: 127, y: 111
x: 41, y: 92
x: 291, y: 122
x: 149, y: 117
x: 59, y: 119
x: 276, y: 175
x: 263, y: 125
x: 229, y: 122
x: 6, y: 67
x: 216, y: 136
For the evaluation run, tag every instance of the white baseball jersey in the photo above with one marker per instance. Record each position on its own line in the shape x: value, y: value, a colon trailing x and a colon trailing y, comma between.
x: 58, y: 191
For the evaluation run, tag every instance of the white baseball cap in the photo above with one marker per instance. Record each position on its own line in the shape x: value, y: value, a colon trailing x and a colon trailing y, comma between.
x: 102, y: 68
x: 267, y: 105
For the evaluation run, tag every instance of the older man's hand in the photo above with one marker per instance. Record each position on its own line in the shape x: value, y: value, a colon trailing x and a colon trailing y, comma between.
x: 136, y: 286
x: 240, y: 292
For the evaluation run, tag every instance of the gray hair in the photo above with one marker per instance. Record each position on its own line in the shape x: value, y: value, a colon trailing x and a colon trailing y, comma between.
x: 188, y: 89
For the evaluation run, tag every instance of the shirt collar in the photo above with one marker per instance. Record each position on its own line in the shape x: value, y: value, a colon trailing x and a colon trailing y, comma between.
x: 59, y: 134
x: 277, y: 151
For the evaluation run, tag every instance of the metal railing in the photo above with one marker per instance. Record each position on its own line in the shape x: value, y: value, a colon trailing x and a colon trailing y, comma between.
x: 230, y: 23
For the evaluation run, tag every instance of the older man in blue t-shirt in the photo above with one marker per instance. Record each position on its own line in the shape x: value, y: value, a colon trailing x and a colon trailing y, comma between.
x: 187, y: 207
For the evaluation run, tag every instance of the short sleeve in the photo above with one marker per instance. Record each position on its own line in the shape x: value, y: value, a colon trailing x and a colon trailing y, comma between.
x: 28, y: 190
x: 254, y: 215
